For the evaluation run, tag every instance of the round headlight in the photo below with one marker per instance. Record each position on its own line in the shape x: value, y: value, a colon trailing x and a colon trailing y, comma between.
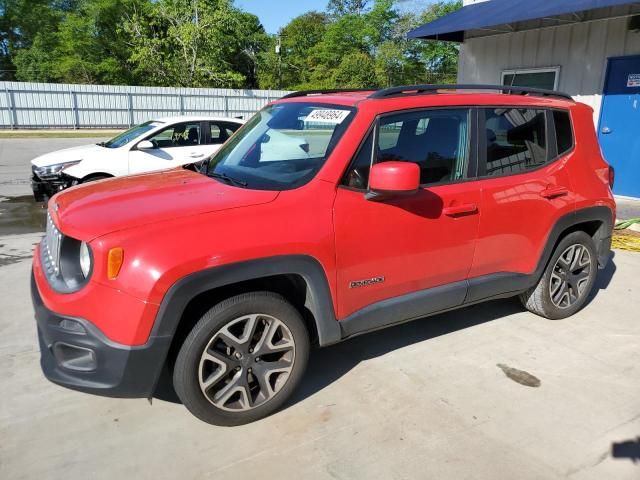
x: 85, y: 259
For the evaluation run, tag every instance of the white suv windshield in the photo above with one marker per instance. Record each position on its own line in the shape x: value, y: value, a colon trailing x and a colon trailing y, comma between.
x: 282, y: 147
x: 129, y: 135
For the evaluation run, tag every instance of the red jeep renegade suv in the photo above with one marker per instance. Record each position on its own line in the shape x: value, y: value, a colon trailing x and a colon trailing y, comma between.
x: 328, y: 215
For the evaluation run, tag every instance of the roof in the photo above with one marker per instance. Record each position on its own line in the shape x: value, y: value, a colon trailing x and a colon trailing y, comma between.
x: 196, y: 118
x: 495, y: 13
x: 481, y: 93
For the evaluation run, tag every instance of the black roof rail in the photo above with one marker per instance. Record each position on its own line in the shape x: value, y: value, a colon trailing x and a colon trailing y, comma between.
x: 428, y: 89
x: 304, y: 93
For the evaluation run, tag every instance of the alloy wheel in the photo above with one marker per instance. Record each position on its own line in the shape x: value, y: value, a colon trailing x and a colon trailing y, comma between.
x: 247, y: 362
x: 570, y: 276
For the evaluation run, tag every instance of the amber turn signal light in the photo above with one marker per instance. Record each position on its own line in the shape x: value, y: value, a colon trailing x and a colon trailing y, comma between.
x: 114, y: 262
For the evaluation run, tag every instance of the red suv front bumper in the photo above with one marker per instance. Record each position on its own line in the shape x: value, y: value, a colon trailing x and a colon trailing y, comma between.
x: 76, y: 354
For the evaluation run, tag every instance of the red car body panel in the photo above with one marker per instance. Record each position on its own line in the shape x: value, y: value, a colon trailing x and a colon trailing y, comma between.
x: 119, y: 203
x: 408, y: 240
x: 175, y: 223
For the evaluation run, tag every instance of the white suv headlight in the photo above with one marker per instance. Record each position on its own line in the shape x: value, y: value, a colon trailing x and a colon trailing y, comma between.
x: 85, y: 259
x: 54, y: 170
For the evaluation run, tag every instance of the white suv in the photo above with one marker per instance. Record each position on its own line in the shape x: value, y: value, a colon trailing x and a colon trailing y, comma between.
x: 153, y: 145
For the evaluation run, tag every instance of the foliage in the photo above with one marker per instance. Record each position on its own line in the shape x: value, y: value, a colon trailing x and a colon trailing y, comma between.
x: 353, y: 30
x: 213, y: 43
x: 356, y: 70
x: 191, y: 44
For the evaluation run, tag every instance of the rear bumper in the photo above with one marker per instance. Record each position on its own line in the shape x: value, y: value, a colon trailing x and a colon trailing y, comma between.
x: 75, y: 354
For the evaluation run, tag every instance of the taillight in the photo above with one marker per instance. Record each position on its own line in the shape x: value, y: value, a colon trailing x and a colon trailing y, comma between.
x: 612, y: 176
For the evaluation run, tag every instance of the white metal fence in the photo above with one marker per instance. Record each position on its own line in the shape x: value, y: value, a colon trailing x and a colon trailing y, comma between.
x: 51, y: 105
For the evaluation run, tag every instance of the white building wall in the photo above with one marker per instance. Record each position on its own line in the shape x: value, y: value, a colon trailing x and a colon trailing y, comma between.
x: 580, y: 50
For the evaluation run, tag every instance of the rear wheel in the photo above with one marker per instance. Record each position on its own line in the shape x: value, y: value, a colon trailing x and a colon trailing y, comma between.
x: 567, y: 281
x: 242, y: 360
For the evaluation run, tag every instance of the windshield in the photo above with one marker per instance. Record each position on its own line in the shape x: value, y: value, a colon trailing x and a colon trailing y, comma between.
x: 282, y: 147
x: 131, y: 134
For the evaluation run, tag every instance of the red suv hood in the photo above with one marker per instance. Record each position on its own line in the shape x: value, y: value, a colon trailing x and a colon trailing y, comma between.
x: 89, y: 211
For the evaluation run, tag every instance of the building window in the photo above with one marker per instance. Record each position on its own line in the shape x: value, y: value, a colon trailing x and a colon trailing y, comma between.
x: 546, y: 78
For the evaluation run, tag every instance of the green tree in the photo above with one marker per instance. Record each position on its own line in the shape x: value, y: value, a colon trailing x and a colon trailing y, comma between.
x: 86, y: 46
x: 356, y: 70
x: 438, y: 56
x: 296, y: 40
x: 338, y: 8
x: 21, y: 21
x: 200, y: 43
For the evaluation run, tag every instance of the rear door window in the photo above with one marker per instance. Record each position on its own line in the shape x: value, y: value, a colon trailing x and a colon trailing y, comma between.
x: 516, y: 140
x: 221, y: 131
x: 564, y: 132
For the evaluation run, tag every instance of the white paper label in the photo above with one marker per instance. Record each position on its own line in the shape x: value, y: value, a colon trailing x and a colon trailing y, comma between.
x: 633, y: 80
x: 327, y: 116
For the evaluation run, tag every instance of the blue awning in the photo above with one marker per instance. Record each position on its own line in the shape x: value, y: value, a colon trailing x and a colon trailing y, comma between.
x: 501, y: 12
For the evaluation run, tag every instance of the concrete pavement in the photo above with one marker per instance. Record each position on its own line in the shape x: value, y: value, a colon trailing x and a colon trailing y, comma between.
x: 448, y: 397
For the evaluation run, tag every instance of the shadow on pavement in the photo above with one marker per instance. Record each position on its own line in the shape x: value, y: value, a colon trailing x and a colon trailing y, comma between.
x: 326, y: 365
x: 603, y: 279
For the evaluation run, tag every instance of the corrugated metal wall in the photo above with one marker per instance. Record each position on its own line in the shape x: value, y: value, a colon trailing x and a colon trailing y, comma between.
x: 50, y: 105
x: 580, y: 50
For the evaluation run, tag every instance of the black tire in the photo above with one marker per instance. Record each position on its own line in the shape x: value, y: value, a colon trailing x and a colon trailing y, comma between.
x: 539, y: 300
x: 188, y: 369
x: 95, y: 178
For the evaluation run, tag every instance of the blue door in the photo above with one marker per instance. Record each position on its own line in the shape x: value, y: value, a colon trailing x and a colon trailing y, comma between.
x: 619, y: 130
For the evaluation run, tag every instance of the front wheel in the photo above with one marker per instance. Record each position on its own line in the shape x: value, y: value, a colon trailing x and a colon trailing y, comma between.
x: 567, y: 281
x: 242, y: 360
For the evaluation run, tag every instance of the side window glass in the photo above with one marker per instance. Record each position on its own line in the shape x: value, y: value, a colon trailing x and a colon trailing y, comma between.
x: 437, y: 140
x: 218, y: 135
x: 564, y: 132
x: 220, y: 132
x: 179, y: 135
x: 516, y: 140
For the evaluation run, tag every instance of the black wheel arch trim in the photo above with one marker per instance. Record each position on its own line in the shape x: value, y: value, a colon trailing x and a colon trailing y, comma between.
x: 602, y: 237
x: 318, y: 301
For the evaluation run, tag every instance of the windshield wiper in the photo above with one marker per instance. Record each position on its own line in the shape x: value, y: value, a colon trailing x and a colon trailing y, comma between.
x: 228, y: 179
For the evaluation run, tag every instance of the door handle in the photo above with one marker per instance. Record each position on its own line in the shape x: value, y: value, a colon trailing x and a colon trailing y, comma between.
x: 464, y: 209
x: 196, y: 155
x: 554, y: 192
x: 605, y: 131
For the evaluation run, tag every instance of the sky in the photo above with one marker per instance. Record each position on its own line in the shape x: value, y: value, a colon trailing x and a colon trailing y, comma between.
x: 276, y: 13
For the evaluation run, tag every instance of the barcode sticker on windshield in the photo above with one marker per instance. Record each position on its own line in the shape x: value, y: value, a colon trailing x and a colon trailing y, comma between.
x: 327, y: 116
